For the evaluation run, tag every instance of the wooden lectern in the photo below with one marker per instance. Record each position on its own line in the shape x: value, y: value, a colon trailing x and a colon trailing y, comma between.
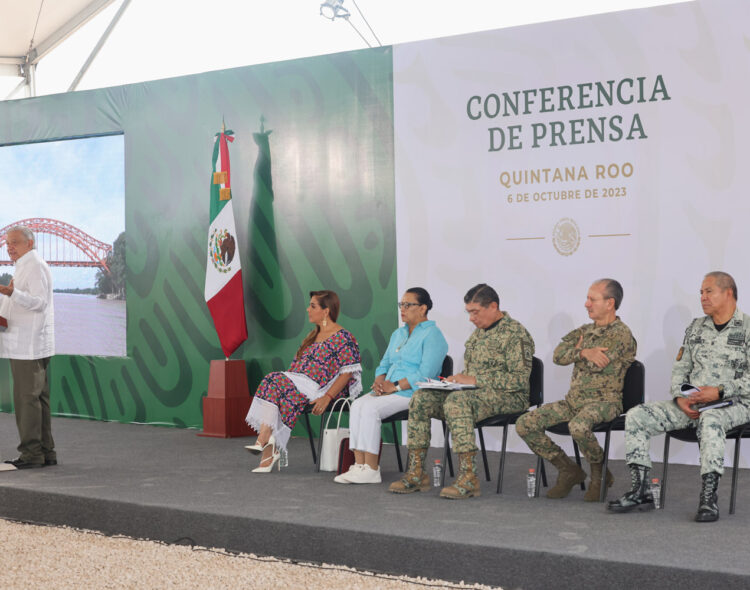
x: 228, y: 400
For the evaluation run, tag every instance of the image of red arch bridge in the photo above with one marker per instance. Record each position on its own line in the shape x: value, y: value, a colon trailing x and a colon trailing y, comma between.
x: 60, y: 244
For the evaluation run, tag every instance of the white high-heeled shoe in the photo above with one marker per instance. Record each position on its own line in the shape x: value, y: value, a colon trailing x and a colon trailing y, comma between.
x: 257, y: 449
x: 275, y: 456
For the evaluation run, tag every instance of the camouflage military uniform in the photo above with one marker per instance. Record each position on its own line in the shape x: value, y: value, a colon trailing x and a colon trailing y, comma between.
x: 707, y: 358
x: 595, y: 393
x: 500, y: 360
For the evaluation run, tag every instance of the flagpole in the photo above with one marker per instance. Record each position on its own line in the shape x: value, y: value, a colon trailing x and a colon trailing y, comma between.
x: 228, y: 396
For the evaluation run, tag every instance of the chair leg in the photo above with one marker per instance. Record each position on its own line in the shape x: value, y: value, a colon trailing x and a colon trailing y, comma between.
x: 484, y: 455
x: 501, y: 469
x: 733, y: 496
x: 665, y: 468
x: 450, y: 460
x: 446, y: 457
x: 603, y: 493
x: 539, y: 475
x: 310, y: 437
x: 398, y: 446
x: 320, y: 444
x: 578, y: 461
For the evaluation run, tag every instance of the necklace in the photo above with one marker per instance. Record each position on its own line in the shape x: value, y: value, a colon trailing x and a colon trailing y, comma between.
x: 400, y: 346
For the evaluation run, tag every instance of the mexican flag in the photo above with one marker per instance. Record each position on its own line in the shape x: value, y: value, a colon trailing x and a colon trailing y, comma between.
x: 223, y: 290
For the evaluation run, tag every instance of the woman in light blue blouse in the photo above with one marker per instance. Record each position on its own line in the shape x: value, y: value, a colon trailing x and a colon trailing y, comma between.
x: 415, y: 352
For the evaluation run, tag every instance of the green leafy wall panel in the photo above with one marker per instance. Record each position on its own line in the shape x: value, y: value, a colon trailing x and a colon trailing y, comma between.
x: 313, y: 197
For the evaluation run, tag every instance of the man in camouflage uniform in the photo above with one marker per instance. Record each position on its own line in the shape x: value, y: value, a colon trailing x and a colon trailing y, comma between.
x: 601, y: 353
x: 498, y: 361
x: 713, y: 358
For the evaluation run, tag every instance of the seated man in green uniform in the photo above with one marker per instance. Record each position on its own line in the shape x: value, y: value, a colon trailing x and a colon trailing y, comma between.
x: 498, y: 362
x: 601, y: 353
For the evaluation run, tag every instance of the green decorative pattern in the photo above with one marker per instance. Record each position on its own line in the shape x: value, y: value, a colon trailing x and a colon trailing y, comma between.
x: 313, y: 203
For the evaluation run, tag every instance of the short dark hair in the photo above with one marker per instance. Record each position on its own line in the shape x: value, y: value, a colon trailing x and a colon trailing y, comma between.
x: 423, y: 297
x: 724, y: 281
x: 482, y: 294
x: 612, y: 290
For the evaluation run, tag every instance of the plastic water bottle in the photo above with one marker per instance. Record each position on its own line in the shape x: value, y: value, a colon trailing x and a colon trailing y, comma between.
x: 531, y: 483
x: 283, y: 458
x: 656, y: 492
x: 437, y: 474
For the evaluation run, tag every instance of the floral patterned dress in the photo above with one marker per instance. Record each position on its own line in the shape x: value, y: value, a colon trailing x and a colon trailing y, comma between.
x: 282, y: 396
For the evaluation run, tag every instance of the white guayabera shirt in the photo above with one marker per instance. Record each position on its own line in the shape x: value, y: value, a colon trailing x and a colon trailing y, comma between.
x: 29, y: 311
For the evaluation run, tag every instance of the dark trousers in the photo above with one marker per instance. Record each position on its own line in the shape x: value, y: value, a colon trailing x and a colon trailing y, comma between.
x: 31, y: 402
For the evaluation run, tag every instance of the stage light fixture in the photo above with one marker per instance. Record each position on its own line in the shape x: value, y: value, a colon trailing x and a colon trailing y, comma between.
x: 333, y: 9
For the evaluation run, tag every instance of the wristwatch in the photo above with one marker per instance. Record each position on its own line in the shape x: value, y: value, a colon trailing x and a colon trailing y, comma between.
x: 721, y: 391
x: 398, y: 386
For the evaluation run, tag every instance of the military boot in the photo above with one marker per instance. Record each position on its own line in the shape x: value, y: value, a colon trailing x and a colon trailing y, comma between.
x: 595, y: 487
x: 415, y: 479
x: 467, y: 482
x: 708, y: 507
x: 639, y: 497
x: 570, y: 474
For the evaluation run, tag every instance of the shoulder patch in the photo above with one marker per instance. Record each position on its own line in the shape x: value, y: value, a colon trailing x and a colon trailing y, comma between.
x: 679, y: 354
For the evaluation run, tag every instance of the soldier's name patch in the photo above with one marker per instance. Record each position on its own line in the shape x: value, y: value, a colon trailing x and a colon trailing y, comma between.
x: 736, y: 339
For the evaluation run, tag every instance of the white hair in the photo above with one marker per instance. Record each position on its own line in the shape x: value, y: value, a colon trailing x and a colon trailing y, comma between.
x: 27, y: 233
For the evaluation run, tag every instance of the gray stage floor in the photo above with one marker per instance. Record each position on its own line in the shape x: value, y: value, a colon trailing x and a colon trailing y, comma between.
x: 169, y: 484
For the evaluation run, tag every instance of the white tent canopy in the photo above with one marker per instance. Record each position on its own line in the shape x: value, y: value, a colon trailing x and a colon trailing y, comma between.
x: 33, y: 28
x: 166, y: 38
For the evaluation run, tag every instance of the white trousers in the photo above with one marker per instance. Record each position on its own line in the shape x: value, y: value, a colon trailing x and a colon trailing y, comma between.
x: 366, y: 416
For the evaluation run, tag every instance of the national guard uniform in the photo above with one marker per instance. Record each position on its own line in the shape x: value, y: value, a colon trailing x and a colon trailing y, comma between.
x: 595, y: 396
x: 500, y: 359
x: 708, y: 357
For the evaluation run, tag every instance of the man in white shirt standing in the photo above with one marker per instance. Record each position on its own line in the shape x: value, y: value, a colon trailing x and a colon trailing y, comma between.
x: 29, y: 342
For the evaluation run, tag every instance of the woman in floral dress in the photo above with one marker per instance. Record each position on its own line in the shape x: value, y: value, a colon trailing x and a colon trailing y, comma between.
x: 326, y: 367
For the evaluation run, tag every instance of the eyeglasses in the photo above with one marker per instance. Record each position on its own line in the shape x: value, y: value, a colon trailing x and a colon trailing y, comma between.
x: 407, y: 305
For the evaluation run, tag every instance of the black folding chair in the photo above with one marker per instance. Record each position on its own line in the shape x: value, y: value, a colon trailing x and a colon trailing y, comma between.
x: 633, y: 393
x: 536, y: 398
x: 690, y: 435
x: 445, y: 371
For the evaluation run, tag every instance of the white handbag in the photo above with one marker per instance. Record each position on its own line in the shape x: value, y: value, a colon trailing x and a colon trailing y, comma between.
x: 332, y: 437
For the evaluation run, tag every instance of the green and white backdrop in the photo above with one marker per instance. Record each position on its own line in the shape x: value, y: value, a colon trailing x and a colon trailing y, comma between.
x: 440, y: 163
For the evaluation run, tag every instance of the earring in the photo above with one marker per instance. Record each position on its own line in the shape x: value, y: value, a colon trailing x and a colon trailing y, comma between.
x: 325, y: 322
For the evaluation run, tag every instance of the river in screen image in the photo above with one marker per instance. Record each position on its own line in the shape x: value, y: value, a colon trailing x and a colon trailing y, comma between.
x: 87, y: 325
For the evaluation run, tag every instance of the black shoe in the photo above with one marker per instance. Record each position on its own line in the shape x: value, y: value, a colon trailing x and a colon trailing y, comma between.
x: 708, y: 506
x: 22, y: 464
x: 639, y: 497
x: 50, y: 462
x: 632, y: 501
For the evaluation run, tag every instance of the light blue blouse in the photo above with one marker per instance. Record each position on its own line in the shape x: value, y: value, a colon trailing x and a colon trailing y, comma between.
x: 414, y: 357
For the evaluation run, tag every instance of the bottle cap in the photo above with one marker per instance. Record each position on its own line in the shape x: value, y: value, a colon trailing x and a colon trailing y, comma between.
x: 532, y: 471
x: 655, y: 480
x: 437, y: 461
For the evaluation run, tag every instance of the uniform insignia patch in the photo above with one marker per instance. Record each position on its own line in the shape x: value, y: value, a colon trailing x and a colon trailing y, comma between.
x: 736, y: 339
x: 679, y: 354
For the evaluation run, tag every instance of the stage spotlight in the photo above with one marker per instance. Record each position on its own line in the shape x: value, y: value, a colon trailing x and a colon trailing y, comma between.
x: 332, y: 9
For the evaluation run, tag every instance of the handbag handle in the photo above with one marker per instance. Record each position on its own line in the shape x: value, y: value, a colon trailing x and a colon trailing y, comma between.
x: 345, y: 401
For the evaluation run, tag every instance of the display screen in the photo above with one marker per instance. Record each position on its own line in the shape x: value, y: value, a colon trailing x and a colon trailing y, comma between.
x: 71, y: 195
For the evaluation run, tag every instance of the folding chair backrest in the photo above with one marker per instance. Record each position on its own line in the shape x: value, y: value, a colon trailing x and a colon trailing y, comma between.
x: 536, y: 382
x: 447, y: 369
x: 633, y: 391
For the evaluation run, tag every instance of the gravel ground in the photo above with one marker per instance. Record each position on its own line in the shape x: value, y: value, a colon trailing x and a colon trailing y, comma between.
x: 59, y: 557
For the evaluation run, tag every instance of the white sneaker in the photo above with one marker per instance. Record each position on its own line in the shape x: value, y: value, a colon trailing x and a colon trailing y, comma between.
x: 344, y: 477
x: 365, y: 474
